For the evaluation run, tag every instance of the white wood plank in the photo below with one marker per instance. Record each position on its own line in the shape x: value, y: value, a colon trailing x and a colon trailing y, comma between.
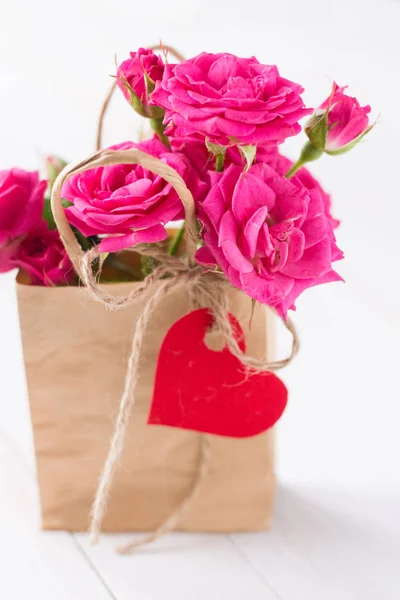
x: 326, y: 543
x: 179, y: 567
x: 329, y: 543
x: 34, y: 564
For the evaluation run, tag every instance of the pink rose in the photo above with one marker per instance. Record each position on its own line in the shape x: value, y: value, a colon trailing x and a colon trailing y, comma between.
x: 143, y: 69
x: 230, y: 100
x: 128, y: 203
x: 347, y: 121
x: 271, y: 236
x: 42, y: 255
x: 21, y: 203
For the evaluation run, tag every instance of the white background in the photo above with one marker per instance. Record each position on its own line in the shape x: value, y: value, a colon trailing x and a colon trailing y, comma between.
x: 336, y: 532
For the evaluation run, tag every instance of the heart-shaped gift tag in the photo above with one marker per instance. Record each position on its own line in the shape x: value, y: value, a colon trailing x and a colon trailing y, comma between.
x: 208, y: 391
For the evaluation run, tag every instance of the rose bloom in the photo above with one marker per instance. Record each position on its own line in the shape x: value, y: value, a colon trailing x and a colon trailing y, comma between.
x: 132, y: 71
x: 272, y: 237
x: 127, y: 203
x: 42, y: 255
x: 230, y: 100
x: 21, y: 203
x: 347, y: 120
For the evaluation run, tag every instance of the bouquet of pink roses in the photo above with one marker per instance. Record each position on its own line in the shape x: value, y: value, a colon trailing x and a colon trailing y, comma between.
x: 253, y: 221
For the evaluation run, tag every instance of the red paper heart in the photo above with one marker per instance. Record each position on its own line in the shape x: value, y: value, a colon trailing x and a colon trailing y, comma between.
x: 208, y: 391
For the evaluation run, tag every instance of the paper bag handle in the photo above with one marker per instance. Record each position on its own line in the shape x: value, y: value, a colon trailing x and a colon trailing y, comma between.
x: 116, y: 157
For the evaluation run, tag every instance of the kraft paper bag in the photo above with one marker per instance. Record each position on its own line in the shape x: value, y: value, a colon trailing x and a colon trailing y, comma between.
x: 75, y: 358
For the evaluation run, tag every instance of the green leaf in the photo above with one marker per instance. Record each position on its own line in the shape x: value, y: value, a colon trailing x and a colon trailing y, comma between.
x: 176, y: 242
x: 349, y: 146
x: 156, y: 112
x: 215, y: 149
x: 149, y: 83
x: 309, y: 153
x: 47, y: 214
x: 249, y: 154
x: 218, y: 152
x: 317, y: 129
x: 135, y: 101
x: 158, y: 127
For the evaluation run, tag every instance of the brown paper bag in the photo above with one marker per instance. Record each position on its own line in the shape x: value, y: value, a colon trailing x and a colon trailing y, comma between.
x: 75, y: 357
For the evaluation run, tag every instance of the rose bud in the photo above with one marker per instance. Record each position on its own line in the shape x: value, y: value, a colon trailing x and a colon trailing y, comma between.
x: 137, y: 77
x: 53, y: 167
x: 339, y: 123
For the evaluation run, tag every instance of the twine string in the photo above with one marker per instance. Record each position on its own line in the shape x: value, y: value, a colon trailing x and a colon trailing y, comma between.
x: 125, y: 409
x: 209, y: 286
x: 206, y: 288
